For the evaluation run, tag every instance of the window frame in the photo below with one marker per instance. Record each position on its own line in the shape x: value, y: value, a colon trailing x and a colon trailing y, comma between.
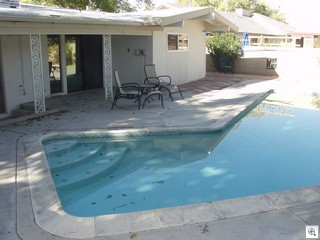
x: 181, y: 42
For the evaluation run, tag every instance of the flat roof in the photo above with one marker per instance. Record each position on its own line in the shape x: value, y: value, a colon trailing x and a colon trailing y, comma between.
x: 38, y: 13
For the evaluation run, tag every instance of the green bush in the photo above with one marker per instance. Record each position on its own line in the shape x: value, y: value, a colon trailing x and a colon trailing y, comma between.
x: 223, y: 45
x: 316, y: 43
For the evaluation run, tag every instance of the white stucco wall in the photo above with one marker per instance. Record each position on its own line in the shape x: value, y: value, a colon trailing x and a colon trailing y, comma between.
x: 125, y: 59
x: 182, y: 66
x: 17, y: 70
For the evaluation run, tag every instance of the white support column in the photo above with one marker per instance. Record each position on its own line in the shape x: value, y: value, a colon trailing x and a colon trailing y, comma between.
x: 63, y: 63
x: 37, y: 74
x: 107, y: 67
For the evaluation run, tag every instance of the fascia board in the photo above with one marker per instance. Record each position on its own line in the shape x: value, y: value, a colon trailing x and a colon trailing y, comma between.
x: 40, y: 19
x: 199, y: 13
x: 18, y: 28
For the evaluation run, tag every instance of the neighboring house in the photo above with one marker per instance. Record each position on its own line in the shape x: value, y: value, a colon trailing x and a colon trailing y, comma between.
x: 46, y: 51
x: 262, y: 30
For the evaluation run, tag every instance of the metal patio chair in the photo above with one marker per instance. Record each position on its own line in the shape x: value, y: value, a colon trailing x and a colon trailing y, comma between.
x: 161, y: 82
x: 225, y: 65
x: 127, y: 90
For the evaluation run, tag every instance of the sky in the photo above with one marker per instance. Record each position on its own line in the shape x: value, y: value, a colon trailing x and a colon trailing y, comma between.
x: 301, y: 14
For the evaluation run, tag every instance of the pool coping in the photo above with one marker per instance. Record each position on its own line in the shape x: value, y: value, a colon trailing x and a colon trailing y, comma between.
x: 34, y: 176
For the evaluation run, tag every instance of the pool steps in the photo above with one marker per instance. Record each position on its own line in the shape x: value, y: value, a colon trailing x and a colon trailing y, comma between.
x: 53, y: 148
x: 102, y: 167
x: 71, y: 159
x: 98, y: 156
x: 84, y: 173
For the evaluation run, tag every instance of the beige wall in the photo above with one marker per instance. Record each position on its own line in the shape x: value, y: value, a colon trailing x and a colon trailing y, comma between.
x: 182, y: 66
x: 16, y: 67
x: 17, y: 73
x: 255, y: 66
x: 125, y: 59
x: 294, y: 63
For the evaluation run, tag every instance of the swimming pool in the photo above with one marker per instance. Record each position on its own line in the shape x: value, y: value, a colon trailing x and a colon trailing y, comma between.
x: 273, y: 148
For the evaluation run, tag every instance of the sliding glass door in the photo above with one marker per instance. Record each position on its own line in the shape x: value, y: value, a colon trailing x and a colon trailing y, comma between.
x: 74, y: 60
x: 2, y: 108
x: 54, y: 64
x: 84, y: 62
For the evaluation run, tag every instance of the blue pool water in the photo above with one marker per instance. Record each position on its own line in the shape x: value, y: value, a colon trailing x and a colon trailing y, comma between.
x: 271, y: 149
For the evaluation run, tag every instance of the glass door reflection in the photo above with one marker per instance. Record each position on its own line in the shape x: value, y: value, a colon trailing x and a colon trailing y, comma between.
x: 54, y: 64
x: 74, y: 62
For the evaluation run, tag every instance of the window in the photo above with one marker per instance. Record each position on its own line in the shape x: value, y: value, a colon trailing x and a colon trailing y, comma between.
x: 178, y: 42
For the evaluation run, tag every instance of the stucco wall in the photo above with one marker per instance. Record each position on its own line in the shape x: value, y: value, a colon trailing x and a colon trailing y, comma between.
x: 16, y: 70
x: 127, y: 61
x: 255, y: 66
x: 16, y: 67
x: 294, y: 63
x: 182, y: 66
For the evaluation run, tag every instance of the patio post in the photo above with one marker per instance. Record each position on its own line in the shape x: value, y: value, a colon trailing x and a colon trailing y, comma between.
x: 107, y: 67
x: 37, y: 73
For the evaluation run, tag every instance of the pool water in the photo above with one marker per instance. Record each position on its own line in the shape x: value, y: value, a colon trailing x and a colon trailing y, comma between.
x: 272, y: 148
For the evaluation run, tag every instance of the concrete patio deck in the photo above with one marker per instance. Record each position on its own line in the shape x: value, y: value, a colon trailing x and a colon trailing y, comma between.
x: 209, y: 103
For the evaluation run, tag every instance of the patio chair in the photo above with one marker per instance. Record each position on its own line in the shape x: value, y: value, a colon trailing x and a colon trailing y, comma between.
x: 161, y: 82
x: 127, y: 90
x: 51, y: 72
x: 225, y: 65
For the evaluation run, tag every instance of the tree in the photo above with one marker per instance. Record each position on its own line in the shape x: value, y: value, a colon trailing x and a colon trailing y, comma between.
x: 223, y: 45
x: 103, y: 5
x: 316, y: 100
x: 231, y: 5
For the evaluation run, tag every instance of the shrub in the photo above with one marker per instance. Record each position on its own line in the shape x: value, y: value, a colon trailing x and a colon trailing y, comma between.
x: 316, y: 42
x: 223, y: 44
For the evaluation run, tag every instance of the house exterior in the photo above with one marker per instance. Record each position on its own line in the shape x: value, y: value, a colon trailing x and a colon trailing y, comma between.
x: 262, y: 30
x: 46, y: 51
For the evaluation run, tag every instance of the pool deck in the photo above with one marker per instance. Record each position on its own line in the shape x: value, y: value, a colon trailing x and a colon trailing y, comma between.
x: 209, y: 103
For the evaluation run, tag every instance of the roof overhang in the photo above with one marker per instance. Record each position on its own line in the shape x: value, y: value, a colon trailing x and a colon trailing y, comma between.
x: 54, y: 18
x: 218, y: 23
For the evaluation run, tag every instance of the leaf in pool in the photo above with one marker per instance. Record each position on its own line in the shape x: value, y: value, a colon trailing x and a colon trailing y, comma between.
x: 93, y: 203
x: 133, y: 236
x: 158, y: 182
x: 124, y: 205
x: 109, y: 196
x: 123, y: 195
